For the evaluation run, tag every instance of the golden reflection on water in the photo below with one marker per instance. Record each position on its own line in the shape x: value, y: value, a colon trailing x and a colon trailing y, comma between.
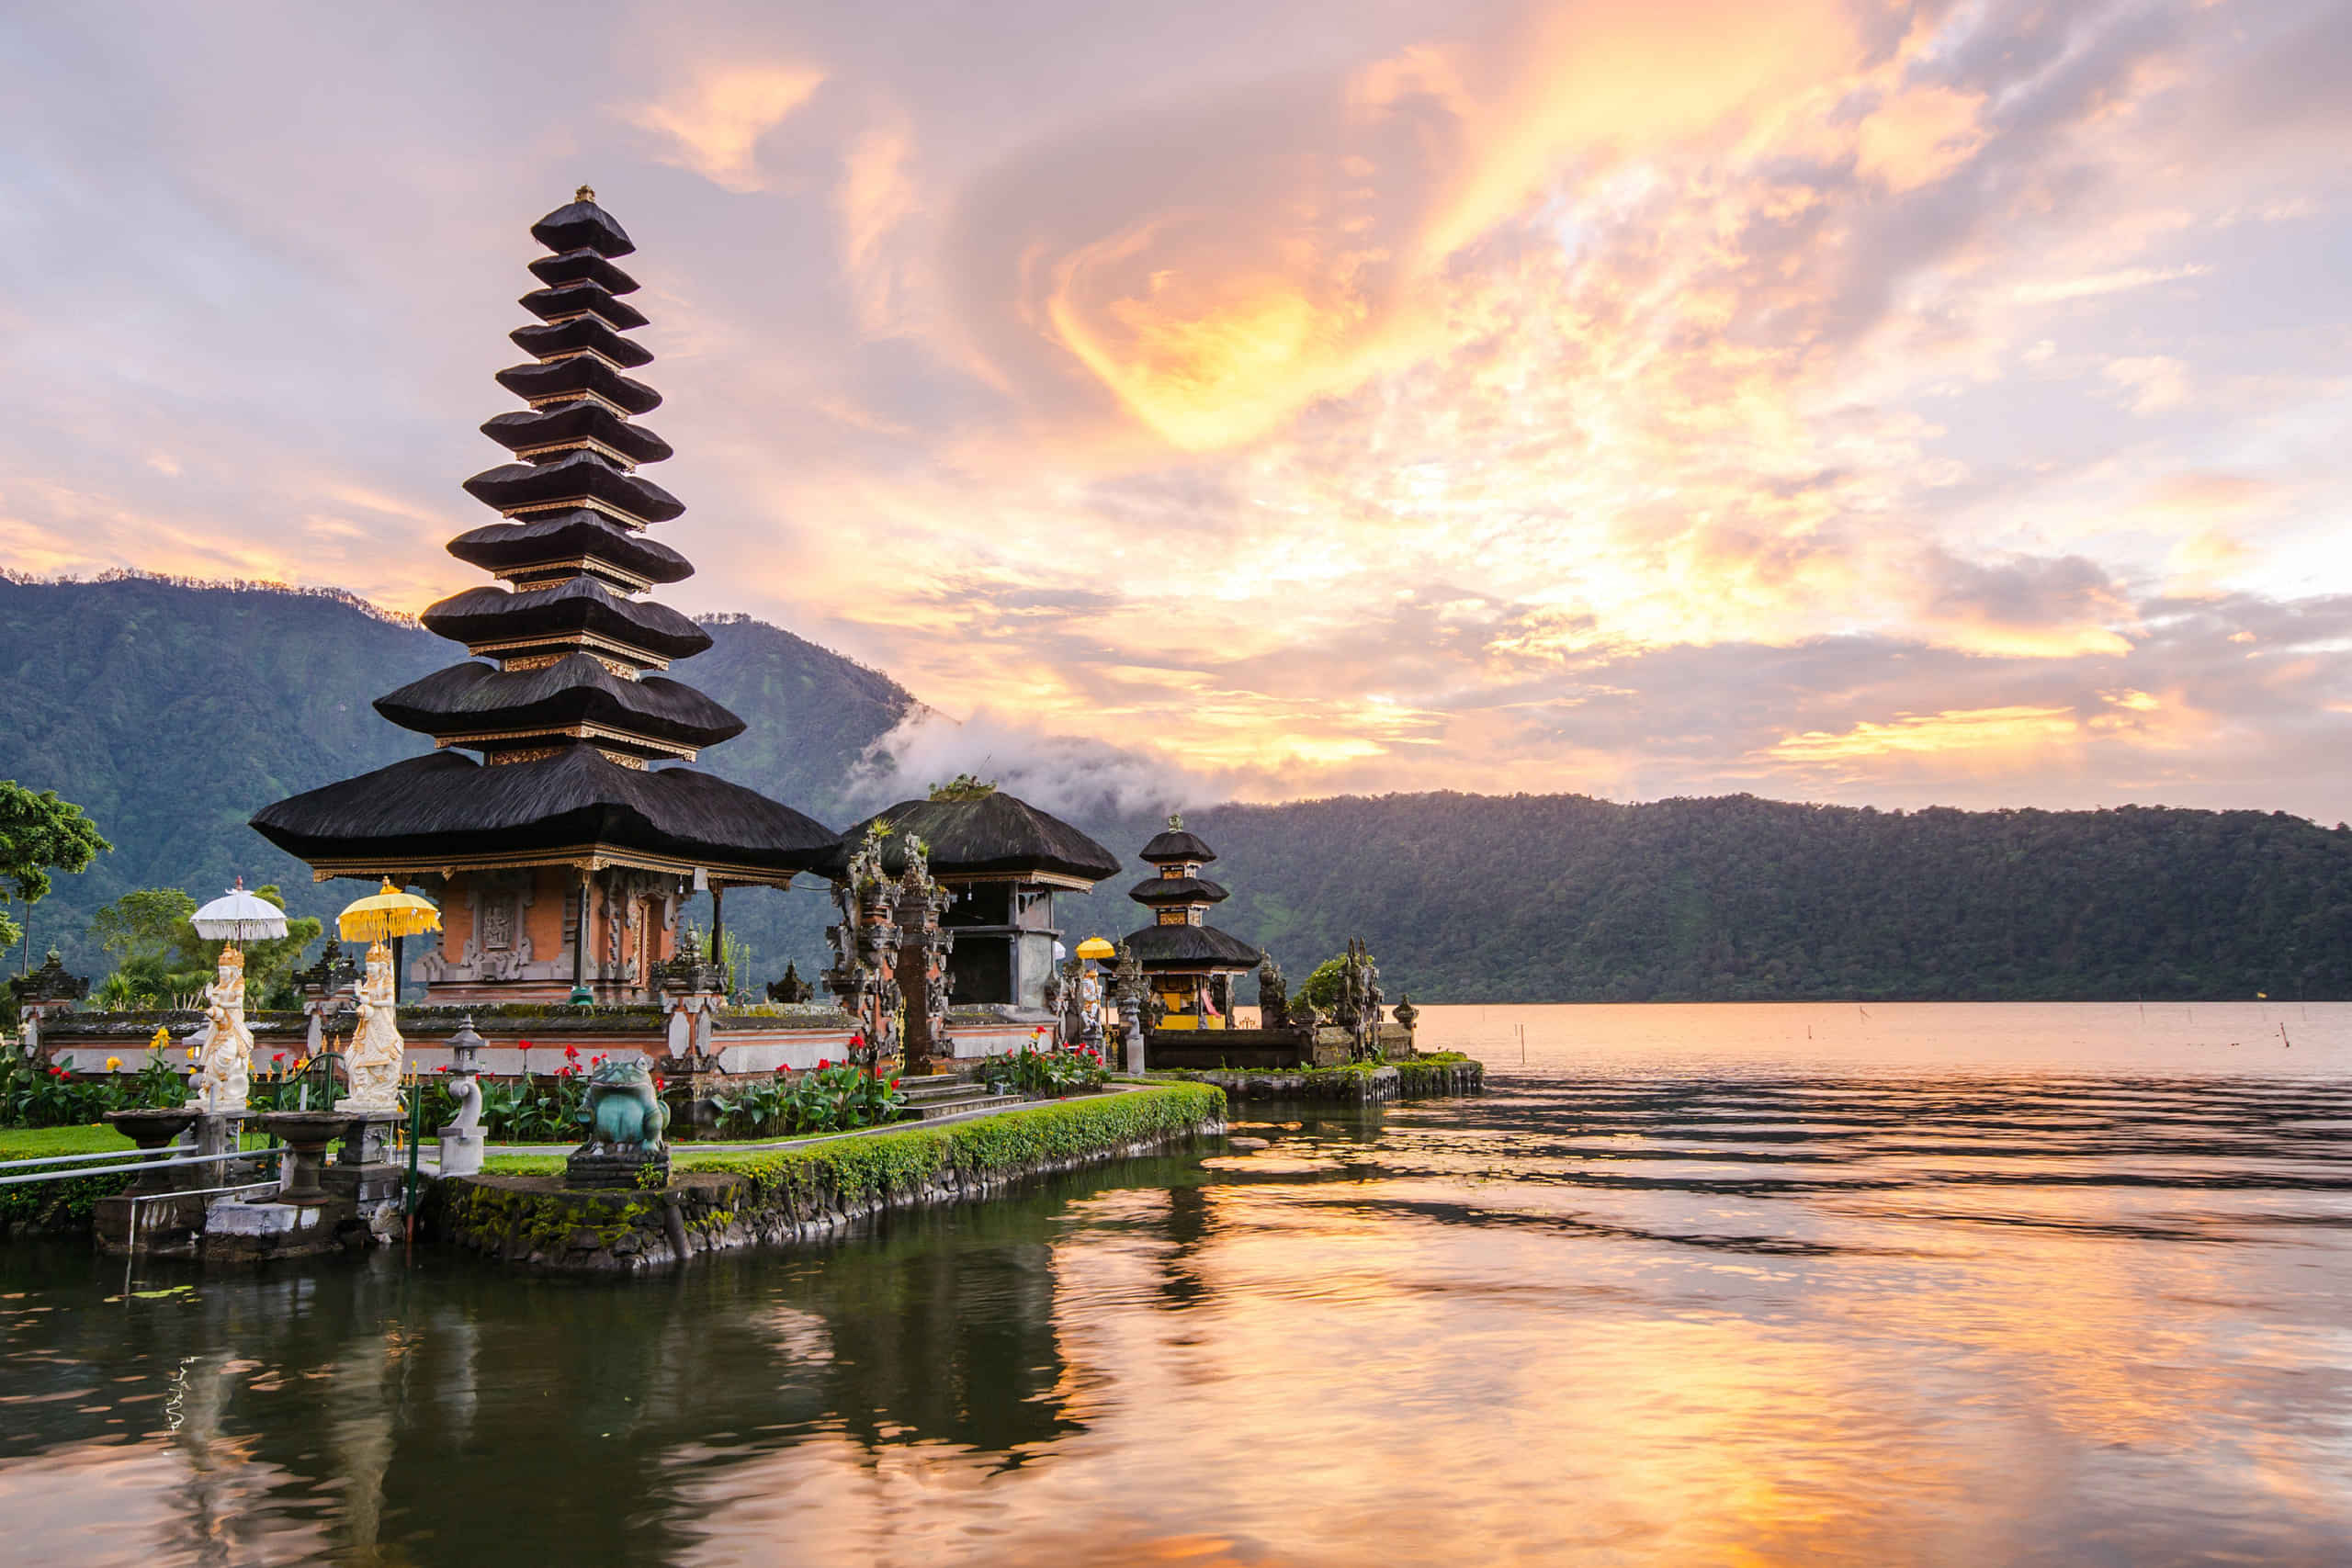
x: 1639, y: 1317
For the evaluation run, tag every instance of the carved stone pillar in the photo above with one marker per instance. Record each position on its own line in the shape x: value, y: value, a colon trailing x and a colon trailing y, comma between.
x: 921, y: 967
x: 865, y: 953
x: 1128, y: 987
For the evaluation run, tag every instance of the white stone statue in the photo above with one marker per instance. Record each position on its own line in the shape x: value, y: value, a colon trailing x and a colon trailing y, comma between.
x: 377, y: 1049
x: 225, y: 1055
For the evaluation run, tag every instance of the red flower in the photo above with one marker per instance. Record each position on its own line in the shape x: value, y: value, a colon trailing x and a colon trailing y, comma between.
x: 822, y: 1063
x: 279, y: 1057
x: 660, y: 1082
x: 522, y: 1044
x: 441, y: 1069
x: 894, y: 1083
x: 571, y: 1053
x: 55, y: 1071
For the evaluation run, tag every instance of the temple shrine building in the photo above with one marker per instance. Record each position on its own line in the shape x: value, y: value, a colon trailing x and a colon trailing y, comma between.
x: 1001, y: 860
x: 559, y: 822
x: 1188, y: 965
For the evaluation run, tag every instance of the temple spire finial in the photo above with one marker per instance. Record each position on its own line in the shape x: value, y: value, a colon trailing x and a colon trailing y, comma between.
x: 585, y: 193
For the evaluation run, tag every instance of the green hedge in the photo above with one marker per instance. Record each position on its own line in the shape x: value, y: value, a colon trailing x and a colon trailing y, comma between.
x: 877, y: 1164
x: 858, y: 1169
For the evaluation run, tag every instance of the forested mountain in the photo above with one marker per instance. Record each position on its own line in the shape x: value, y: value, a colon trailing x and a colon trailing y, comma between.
x: 172, y: 711
x: 1563, y: 897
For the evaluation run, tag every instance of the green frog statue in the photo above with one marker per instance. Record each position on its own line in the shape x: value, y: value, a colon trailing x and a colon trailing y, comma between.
x: 626, y: 1119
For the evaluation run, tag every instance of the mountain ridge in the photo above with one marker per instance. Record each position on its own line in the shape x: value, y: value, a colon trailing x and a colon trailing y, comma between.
x: 173, y: 709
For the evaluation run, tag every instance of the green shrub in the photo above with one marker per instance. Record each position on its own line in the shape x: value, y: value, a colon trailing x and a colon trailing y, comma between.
x: 855, y: 1169
x: 35, y: 1093
x: 1054, y: 1072
x: 832, y: 1097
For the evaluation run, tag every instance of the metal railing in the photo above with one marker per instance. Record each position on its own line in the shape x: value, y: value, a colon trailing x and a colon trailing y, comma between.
x: 134, y: 1166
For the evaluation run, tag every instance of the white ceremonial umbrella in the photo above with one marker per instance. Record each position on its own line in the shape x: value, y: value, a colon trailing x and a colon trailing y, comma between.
x: 238, y: 917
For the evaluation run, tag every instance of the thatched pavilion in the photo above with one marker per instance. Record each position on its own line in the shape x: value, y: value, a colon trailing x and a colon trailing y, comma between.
x: 1002, y: 859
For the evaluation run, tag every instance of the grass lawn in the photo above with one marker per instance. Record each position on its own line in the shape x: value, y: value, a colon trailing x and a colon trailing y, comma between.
x: 33, y: 1143
x: 95, y: 1139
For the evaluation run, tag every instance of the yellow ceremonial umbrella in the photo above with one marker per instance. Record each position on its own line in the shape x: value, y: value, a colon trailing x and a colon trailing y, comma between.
x: 384, y: 914
x: 1096, y: 948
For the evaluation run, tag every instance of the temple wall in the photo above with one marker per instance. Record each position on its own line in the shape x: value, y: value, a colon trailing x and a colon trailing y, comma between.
x: 746, y: 1043
x: 553, y: 895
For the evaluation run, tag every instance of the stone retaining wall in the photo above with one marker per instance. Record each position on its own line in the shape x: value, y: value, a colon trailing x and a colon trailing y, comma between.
x: 809, y: 1192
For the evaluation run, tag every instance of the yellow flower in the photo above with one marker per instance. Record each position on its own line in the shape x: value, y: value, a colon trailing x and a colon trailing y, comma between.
x: 162, y: 1038
x: 114, y: 1063
x: 191, y: 1052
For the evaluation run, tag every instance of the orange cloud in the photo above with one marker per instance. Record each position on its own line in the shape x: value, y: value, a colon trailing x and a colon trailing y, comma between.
x: 1919, y: 137
x: 713, y: 124
x: 2014, y: 737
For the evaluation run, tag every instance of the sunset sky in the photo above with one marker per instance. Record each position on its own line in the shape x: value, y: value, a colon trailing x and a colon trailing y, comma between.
x: 1870, y: 403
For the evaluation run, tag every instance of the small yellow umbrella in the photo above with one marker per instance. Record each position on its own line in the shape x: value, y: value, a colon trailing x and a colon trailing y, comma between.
x: 384, y: 914
x: 1096, y: 948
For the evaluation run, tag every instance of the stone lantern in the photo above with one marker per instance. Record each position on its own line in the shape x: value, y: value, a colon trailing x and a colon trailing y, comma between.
x: 461, y: 1139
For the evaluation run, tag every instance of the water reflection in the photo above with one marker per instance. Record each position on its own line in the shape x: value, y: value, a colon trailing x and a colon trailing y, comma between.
x: 1639, y: 1315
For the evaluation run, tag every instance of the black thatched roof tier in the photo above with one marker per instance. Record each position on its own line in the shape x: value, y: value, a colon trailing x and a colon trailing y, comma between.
x: 583, y: 225
x: 580, y: 421
x: 566, y: 641
x: 1191, y: 947
x: 573, y: 477
x: 581, y: 372
x: 1176, y: 844
x: 545, y: 536
x: 583, y: 267
x: 472, y: 699
x: 447, y: 807
x: 482, y: 615
x: 580, y: 334
x: 995, y: 835
x: 571, y: 298
x: 1155, y: 891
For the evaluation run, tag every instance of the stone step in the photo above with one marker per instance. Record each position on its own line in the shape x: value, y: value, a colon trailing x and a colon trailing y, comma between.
x: 938, y: 1106
x: 934, y: 1085
x: 943, y: 1094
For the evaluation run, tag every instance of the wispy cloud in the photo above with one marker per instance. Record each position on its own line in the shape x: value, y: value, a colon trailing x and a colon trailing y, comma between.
x: 1276, y: 397
x: 713, y: 125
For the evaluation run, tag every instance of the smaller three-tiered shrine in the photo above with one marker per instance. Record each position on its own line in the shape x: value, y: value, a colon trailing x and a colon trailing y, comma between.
x: 562, y: 847
x: 1190, y: 965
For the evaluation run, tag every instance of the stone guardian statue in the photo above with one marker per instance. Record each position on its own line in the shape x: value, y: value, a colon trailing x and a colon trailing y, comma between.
x: 225, y: 1059
x: 377, y: 1048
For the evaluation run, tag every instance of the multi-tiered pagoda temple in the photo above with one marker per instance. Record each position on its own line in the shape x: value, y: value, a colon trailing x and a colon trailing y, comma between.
x: 1188, y: 965
x: 561, y: 850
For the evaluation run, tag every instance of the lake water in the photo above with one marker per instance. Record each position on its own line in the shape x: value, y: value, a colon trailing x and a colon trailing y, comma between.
x: 1694, y: 1285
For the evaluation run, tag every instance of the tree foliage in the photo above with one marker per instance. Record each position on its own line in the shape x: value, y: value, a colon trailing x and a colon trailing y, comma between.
x: 1321, y: 988
x: 1564, y: 897
x: 38, y: 834
x: 159, y: 960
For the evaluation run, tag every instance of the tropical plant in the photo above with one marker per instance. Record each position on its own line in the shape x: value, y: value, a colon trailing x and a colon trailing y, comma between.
x: 1051, y: 1071
x: 831, y: 1097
